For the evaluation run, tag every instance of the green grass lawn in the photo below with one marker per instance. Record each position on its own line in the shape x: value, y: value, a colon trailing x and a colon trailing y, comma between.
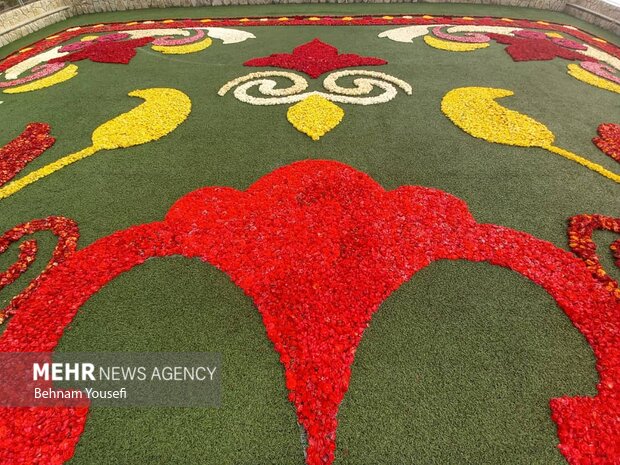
x: 457, y: 366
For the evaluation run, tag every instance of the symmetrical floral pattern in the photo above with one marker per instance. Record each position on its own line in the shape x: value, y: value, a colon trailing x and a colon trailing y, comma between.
x: 314, y: 59
x: 318, y: 246
x: 315, y: 114
x: 581, y: 228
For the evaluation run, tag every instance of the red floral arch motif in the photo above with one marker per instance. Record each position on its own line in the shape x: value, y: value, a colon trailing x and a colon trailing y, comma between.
x: 318, y: 246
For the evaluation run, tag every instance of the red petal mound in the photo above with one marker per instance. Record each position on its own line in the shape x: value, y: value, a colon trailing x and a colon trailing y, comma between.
x: 120, y: 52
x: 315, y: 58
x: 319, y: 246
x: 534, y: 49
x: 31, y: 143
x: 609, y: 140
x: 580, y: 230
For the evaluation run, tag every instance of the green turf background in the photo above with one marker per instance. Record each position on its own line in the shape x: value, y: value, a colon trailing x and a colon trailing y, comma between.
x: 458, y: 365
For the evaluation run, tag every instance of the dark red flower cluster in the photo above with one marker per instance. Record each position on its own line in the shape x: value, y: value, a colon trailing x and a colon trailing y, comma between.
x: 31, y: 143
x: 67, y: 232
x: 609, y: 140
x: 580, y: 230
x: 315, y: 58
x: 106, y: 51
x: 319, y: 246
x: 537, y: 48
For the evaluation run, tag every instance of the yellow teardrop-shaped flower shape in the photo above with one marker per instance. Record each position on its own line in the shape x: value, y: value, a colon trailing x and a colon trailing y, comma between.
x: 583, y: 75
x: 63, y: 75
x: 453, y: 46
x: 183, y: 49
x: 475, y: 111
x: 161, y: 112
x: 315, y: 116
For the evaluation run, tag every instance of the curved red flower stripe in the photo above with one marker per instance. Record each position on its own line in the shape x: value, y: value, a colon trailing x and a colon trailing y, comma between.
x: 315, y: 58
x: 580, y: 230
x: 378, y: 20
x: 67, y: 232
x: 319, y: 246
x: 31, y: 143
x: 38, y: 72
x: 609, y: 140
x: 106, y: 51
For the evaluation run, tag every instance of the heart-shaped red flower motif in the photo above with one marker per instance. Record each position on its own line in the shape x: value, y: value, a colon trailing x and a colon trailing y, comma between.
x: 315, y: 58
x: 318, y: 246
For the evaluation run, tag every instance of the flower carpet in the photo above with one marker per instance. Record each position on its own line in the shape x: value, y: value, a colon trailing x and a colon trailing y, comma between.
x: 400, y: 230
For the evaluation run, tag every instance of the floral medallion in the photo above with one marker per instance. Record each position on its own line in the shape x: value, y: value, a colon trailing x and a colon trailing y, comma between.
x: 316, y: 113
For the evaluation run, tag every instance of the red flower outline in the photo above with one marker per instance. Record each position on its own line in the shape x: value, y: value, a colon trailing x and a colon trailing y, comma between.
x: 318, y: 246
x: 71, y: 33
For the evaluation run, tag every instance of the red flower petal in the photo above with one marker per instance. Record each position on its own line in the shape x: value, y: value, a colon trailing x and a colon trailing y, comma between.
x: 319, y: 246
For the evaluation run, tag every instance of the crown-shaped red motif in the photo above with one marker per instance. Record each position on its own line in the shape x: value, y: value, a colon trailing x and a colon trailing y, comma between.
x: 315, y: 58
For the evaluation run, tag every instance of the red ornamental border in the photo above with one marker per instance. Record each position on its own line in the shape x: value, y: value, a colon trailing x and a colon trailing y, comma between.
x: 318, y: 246
x: 374, y: 20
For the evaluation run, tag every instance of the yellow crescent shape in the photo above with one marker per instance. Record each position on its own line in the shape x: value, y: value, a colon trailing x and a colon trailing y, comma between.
x: 63, y: 75
x: 453, y: 46
x: 475, y: 111
x: 183, y: 49
x: 162, y: 111
x: 583, y: 75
